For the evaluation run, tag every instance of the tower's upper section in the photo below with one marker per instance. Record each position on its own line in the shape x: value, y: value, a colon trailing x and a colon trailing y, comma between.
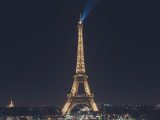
x: 80, y: 67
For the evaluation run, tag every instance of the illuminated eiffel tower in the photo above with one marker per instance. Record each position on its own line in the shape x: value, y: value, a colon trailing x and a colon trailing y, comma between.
x: 80, y: 79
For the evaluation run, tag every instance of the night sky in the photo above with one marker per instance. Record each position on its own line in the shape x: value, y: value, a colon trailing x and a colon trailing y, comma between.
x: 38, y: 43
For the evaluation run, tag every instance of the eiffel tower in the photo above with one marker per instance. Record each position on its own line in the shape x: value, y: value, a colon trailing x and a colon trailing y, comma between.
x: 80, y: 78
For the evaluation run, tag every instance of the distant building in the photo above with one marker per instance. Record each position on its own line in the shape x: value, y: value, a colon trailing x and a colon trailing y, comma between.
x: 11, y: 104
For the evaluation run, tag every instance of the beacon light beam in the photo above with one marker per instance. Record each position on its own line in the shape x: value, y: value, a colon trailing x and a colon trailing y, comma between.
x: 89, y: 6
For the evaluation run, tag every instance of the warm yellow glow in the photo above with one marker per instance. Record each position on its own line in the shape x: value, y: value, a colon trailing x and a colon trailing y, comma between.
x: 74, y: 88
x: 94, y: 106
x: 86, y: 86
x: 74, y: 97
x: 66, y: 107
x: 80, y: 68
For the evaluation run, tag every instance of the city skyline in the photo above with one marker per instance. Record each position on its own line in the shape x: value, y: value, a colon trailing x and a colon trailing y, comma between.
x: 38, y: 49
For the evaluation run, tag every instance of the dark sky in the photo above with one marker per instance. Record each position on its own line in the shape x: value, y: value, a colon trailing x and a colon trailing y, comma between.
x: 38, y: 51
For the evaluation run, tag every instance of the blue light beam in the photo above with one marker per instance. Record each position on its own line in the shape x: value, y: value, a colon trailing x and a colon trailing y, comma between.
x: 89, y: 6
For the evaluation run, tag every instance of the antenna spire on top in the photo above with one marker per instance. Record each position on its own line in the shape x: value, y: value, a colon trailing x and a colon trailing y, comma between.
x: 80, y: 19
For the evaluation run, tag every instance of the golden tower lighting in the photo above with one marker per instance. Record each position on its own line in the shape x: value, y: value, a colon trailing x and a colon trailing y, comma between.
x: 80, y: 78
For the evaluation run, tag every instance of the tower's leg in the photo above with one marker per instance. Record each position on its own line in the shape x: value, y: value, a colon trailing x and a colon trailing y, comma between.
x: 86, y: 87
x: 93, y: 105
x: 66, y: 107
x: 74, y: 88
x: 71, y: 103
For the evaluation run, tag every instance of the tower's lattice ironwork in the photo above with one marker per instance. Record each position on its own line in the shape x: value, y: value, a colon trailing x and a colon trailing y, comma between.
x: 76, y: 98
